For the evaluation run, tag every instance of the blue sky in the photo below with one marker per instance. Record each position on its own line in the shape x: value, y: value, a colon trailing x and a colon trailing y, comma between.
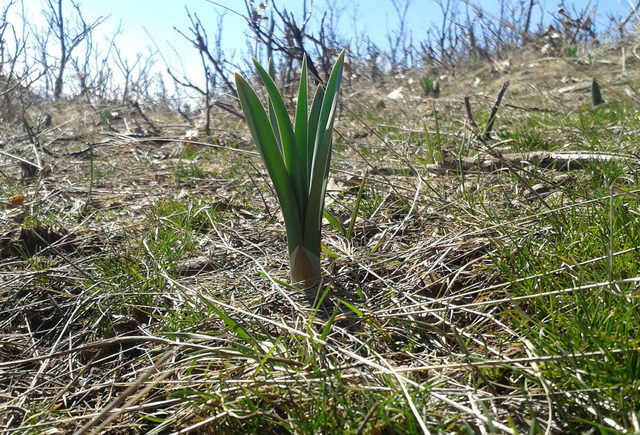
x: 158, y: 17
x: 147, y: 24
x: 372, y: 17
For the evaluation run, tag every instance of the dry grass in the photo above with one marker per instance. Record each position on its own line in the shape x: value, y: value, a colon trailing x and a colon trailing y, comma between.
x: 152, y: 301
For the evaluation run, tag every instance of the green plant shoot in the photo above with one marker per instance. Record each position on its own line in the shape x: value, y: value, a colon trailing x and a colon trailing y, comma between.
x: 596, y: 96
x: 297, y: 157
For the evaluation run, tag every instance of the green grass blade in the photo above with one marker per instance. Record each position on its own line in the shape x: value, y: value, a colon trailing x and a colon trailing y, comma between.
x: 352, y: 307
x: 301, y: 126
x: 261, y: 365
x: 289, y: 148
x: 596, y: 96
x: 265, y: 140
x: 329, y: 253
x: 280, y: 282
x: 235, y: 326
x: 356, y: 207
x: 359, y: 313
x: 329, y: 324
x: 319, y: 303
x: 438, y: 144
x: 334, y: 222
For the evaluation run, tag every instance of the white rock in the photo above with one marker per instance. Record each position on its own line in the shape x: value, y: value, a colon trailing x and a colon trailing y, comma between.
x: 396, y: 94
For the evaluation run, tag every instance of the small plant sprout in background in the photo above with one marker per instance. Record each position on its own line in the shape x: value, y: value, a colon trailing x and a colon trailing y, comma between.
x: 427, y: 85
x: 596, y: 97
x: 106, y: 117
x: 435, y: 90
x: 297, y: 159
x: 571, y: 51
x: 430, y: 87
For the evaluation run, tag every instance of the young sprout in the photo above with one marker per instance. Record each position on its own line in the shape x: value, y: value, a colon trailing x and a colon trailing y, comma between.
x: 596, y: 96
x: 297, y: 157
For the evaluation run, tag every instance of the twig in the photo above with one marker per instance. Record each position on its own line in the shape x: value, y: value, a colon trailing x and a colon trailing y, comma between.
x: 130, y: 390
x: 467, y: 105
x: 494, y: 111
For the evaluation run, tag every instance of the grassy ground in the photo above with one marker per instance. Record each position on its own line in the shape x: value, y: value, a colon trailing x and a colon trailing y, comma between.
x: 142, y: 284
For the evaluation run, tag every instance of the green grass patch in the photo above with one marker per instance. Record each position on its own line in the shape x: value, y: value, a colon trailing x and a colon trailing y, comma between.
x: 577, y: 302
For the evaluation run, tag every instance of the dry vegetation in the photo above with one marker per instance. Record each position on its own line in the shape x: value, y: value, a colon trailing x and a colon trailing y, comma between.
x: 143, y: 265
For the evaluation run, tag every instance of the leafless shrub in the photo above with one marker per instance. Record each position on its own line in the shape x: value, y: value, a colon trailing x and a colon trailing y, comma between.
x: 490, y: 39
x: 92, y: 69
x: 136, y: 75
x: 8, y: 59
x: 17, y: 75
x: 214, y: 66
x: 469, y: 32
x: 621, y: 23
x: 68, y: 35
x: 444, y: 41
x: 399, y: 41
x: 285, y: 38
x: 279, y: 37
x: 372, y: 62
x: 70, y: 58
x: 162, y: 99
x: 16, y: 69
x: 576, y: 25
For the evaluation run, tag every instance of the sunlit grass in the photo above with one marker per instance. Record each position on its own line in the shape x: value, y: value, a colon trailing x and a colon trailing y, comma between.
x: 462, y: 299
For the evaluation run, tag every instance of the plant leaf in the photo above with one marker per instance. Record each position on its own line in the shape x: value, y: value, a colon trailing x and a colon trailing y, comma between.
x: 321, y: 159
x: 289, y: 148
x: 329, y: 103
x: 312, y: 126
x: 304, y: 146
x: 265, y: 140
x: 272, y: 114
